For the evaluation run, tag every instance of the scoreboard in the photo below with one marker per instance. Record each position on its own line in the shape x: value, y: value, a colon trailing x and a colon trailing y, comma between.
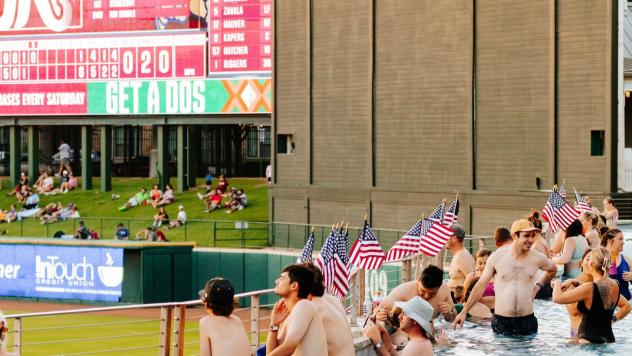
x: 240, y: 36
x: 90, y: 58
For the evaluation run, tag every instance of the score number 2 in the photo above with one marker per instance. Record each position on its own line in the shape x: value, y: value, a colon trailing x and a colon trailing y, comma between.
x: 150, y: 63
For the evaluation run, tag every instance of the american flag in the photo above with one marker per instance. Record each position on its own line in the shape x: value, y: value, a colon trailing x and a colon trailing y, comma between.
x: 433, y: 241
x: 306, y: 255
x: 340, y: 286
x: 408, y: 244
x: 581, y: 203
x: 439, y: 213
x: 366, y: 252
x: 333, y: 261
x: 558, y: 213
x: 562, y: 190
x: 452, y: 214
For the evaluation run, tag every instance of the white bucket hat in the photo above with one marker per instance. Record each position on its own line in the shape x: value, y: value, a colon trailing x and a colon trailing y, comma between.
x: 420, y: 311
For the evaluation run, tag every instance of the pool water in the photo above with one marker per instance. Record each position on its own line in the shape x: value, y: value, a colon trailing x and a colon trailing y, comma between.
x: 552, y: 338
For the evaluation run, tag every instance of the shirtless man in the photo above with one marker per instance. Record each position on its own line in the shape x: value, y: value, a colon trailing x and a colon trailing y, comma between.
x: 462, y: 262
x: 513, y: 269
x: 220, y: 332
x: 333, y: 316
x: 303, y: 333
x: 430, y: 287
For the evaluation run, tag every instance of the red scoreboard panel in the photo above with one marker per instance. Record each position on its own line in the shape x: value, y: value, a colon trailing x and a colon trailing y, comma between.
x: 87, y: 58
x: 240, y: 36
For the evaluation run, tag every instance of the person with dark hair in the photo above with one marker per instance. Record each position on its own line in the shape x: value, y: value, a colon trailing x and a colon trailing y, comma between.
x: 415, y: 320
x: 221, y: 333
x: 462, y: 262
x: 610, y: 212
x: 302, y: 333
x: 514, y: 271
x: 488, y: 298
x: 574, y: 247
x: 333, y: 315
x: 596, y: 301
x: 430, y: 287
x: 620, y: 268
x: 502, y: 237
x: 479, y: 310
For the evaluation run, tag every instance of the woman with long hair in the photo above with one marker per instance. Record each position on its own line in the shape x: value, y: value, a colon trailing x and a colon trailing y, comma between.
x: 596, y: 301
x: 574, y: 247
x: 612, y: 240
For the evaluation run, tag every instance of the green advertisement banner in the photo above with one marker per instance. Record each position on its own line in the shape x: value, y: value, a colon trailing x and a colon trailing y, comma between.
x: 179, y: 97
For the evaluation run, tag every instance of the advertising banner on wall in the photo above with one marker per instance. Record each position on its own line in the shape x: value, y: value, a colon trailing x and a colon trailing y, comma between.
x: 61, y: 272
x: 139, y: 97
x: 70, y: 16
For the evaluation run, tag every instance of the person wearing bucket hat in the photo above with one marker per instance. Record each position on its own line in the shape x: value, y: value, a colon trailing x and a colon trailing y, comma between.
x: 514, y: 271
x: 415, y: 320
x: 221, y: 333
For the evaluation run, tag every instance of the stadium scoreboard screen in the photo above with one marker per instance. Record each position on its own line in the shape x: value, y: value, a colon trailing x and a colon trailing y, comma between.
x: 135, y: 57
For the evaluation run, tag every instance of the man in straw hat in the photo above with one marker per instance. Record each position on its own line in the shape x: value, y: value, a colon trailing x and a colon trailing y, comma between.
x: 415, y: 321
x: 514, y: 269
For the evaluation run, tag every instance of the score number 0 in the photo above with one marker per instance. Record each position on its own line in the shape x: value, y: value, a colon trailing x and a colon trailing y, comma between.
x: 151, y: 62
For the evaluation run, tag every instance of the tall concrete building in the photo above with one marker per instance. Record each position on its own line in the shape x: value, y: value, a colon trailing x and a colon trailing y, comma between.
x: 388, y: 106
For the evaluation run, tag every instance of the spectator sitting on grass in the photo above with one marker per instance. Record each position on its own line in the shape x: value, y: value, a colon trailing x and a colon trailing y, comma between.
x: 154, y: 194
x: 49, y: 209
x: 151, y: 233
x: 238, y: 202
x: 213, y: 201
x: 3, y: 216
x: 12, y: 215
x: 72, y: 181
x: 161, y: 217
x: 23, y: 193
x: 222, y: 185
x: 65, y: 178
x: 68, y: 213
x: 48, y: 184
x: 138, y: 198
x: 40, y: 179
x: 32, y: 201
x: 82, y: 231
x: 182, y: 218
x: 18, y: 187
x: 167, y: 198
x: 122, y: 233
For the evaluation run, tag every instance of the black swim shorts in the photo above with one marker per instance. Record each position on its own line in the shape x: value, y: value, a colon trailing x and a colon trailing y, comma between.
x: 521, y: 325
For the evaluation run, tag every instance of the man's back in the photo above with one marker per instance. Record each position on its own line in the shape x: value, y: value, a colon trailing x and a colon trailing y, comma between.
x: 305, y: 328
x: 461, y: 265
x: 221, y: 335
x: 337, y: 331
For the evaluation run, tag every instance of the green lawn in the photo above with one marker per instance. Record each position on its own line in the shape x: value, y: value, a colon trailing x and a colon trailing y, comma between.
x: 101, y: 213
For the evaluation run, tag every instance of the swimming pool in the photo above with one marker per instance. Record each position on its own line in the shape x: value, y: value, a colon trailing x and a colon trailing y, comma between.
x: 552, y: 337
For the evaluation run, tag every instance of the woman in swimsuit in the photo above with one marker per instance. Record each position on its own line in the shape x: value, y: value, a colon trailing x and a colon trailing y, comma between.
x: 589, y: 222
x: 585, y: 277
x: 610, y: 212
x: 596, y: 301
x: 481, y: 260
x: 574, y: 247
x: 612, y: 240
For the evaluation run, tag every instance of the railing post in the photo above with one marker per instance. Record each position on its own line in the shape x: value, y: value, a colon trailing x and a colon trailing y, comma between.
x: 254, y: 323
x: 185, y: 232
x: 178, y: 331
x: 17, y: 336
x: 214, y: 232
x: 47, y: 232
x: 407, y: 270
x: 165, y: 330
x: 22, y: 227
x: 357, y: 298
x: 101, y: 232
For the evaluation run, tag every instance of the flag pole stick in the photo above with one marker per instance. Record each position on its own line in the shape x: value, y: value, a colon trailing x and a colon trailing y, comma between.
x: 418, y: 256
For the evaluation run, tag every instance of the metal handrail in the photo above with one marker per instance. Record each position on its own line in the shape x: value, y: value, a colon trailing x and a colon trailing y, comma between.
x: 167, y: 325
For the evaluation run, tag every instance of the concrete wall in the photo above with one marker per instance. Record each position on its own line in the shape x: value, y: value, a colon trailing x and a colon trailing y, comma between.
x: 396, y: 104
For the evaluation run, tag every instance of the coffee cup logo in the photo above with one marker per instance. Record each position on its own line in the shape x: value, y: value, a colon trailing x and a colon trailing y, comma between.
x: 109, y: 275
x: 55, y: 14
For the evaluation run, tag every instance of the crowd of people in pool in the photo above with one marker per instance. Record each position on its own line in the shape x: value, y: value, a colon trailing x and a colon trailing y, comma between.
x: 499, y: 286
